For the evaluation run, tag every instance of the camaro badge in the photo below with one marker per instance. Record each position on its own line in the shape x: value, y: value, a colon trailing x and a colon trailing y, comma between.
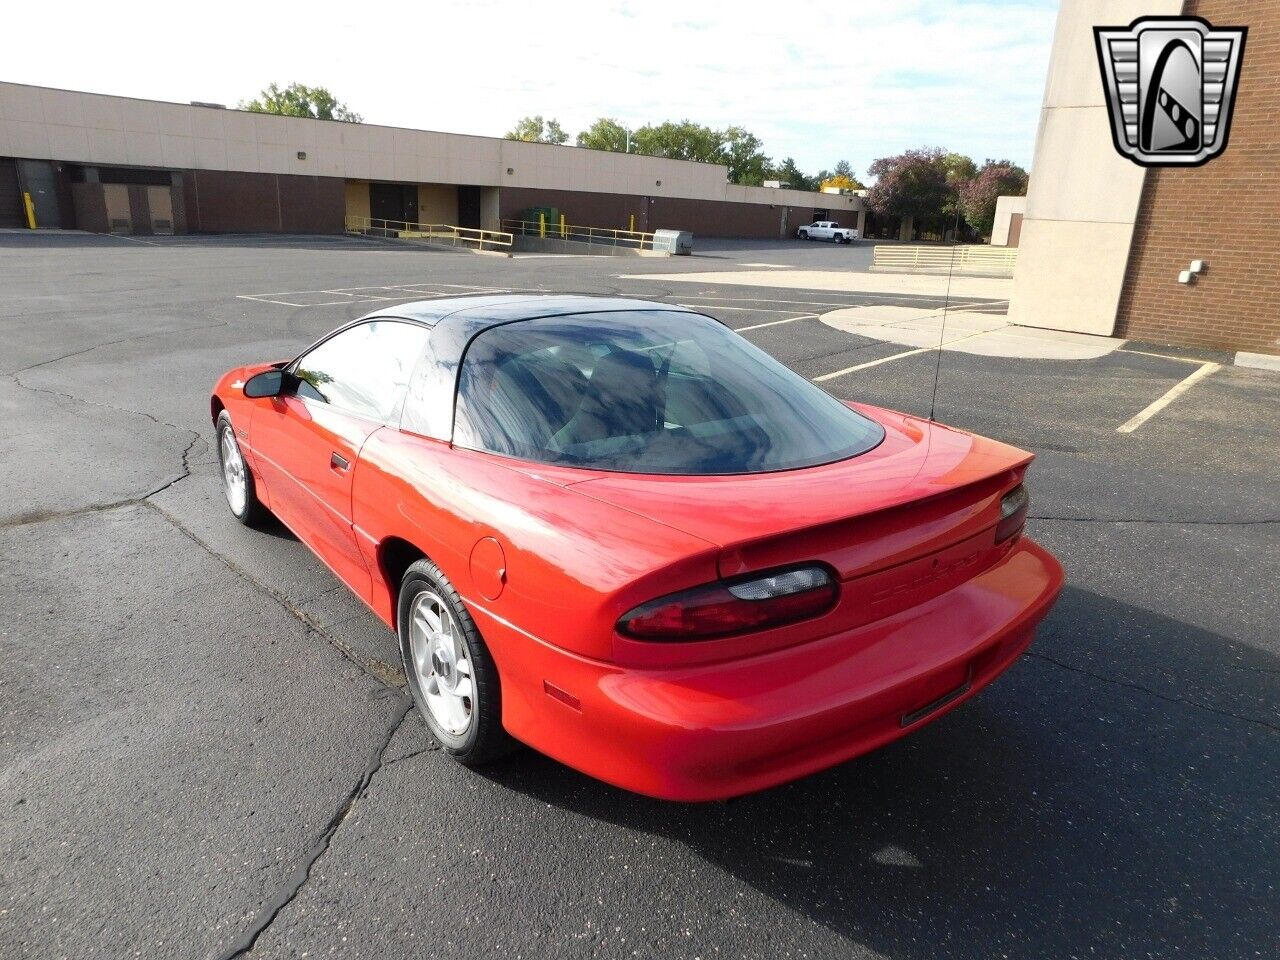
x: 1170, y: 84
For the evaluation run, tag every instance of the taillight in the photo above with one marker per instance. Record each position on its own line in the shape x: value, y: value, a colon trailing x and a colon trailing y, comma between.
x: 756, y: 602
x: 1013, y: 513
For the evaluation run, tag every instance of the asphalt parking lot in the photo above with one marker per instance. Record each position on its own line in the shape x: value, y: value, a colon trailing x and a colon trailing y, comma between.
x: 205, y: 750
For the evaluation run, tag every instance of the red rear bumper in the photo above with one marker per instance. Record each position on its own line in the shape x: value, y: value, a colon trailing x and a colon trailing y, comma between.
x: 723, y: 729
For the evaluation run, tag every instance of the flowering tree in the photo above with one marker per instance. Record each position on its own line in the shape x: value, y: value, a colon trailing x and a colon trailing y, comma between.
x: 978, y: 194
x: 912, y: 184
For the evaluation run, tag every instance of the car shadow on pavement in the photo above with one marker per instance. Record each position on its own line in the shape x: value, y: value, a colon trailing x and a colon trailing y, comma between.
x: 1058, y: 814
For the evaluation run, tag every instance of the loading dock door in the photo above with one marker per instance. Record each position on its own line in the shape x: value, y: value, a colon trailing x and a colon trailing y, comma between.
x: 11, y: 212
x: 38, y: 180
x: 393, y: 201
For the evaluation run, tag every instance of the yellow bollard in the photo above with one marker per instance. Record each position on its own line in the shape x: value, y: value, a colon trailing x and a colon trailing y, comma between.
x: 542, y: 226
x: 563, y: 233
x: 31, y: 210
x: 632, y: 228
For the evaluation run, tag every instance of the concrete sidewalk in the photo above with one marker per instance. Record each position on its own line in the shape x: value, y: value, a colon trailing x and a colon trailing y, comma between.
x: 848, y: 281
x: 967, y: 331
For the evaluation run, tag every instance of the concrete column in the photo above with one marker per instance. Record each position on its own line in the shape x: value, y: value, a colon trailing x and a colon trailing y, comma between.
x: 904, y: 232
x: 489, y: 210
x: 1083, y: 199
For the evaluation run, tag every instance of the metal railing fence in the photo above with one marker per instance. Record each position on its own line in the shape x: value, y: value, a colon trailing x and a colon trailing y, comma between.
x: 545, y: 229
x: 470, y: 237
x: 962, y: 258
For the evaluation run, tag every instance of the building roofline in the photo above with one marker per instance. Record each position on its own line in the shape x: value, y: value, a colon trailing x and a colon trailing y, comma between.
x: 194, y: 105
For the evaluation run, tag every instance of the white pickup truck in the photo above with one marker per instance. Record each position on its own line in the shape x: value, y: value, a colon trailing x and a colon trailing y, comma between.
x: 827, y: 230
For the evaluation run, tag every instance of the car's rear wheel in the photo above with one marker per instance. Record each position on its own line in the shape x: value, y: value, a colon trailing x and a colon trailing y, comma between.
x: 451, y: 675
x: 237, y: 481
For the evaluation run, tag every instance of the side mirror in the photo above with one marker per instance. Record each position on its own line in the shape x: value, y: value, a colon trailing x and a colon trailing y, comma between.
x: 268, y: 383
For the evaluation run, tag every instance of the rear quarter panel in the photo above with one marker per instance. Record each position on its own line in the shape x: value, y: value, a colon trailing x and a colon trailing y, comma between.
x: 573, y: 565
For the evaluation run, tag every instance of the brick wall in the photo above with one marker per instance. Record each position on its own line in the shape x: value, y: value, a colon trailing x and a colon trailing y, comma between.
x: 705, y: 218
x: 1226, y: 213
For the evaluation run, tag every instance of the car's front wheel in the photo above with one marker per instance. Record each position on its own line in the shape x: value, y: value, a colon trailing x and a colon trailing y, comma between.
x: 451, y: 675
x: 804, y: 234
x: 237, y: 481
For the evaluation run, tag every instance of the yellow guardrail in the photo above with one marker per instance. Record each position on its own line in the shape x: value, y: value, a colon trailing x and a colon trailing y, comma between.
x: 471, y: 237
x: 545, y: 229
x: 962, y: 258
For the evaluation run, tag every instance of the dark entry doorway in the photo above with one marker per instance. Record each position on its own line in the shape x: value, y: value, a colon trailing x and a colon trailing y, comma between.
x: 37, y: 178
x: 469, y: 207
x: 11, y: 212
x: 393, y: 201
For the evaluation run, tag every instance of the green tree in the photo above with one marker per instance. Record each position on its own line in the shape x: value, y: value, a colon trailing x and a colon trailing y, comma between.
x: 960, y: 170
x: 685, y: 140
x: 744, y: 157
x: 537, y: 130
x: 298, y: 100
x: 788, y: 173
x: 605, y: 134
x: 997, y: 178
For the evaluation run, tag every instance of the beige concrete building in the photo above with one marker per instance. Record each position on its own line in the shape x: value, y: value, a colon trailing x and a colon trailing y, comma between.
x: 92, y: 160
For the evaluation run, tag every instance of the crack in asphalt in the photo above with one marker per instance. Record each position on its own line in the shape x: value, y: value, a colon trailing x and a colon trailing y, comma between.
x: 111, y: 343
x: 1129, y: 684
x: 302, y: 873
x: 23, y: 520
x: 384, y: 673
x: 432, y: 747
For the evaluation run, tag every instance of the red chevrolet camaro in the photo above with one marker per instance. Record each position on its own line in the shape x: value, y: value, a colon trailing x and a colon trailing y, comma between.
x: 619, y: 533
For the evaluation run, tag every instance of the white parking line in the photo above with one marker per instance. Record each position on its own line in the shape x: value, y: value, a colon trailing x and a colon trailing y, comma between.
x: 405, y: 291
x: 873, y: 363
x: 897, y: 356
x: 717, y: 306
x: 1171, y: 395
x: 1162, y: 356
x: 774, y: 323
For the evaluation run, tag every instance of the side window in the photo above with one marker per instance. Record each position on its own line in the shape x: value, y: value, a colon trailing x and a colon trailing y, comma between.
x: 363, y: 370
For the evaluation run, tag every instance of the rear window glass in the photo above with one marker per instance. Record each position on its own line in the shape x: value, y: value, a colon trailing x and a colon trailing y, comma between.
x: 646, y: 392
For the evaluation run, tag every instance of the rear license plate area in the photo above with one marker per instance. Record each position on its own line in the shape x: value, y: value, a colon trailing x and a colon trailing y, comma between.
x: 950, y: 685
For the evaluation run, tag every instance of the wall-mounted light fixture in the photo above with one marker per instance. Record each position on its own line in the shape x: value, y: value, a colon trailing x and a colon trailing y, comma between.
x: 510, y: 171
x: 302, y: 154
x: 657, y: 183
x: 1189, y: 276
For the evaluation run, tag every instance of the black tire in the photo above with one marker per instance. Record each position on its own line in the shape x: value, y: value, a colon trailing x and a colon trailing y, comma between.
x: 252, y: 513
x: 804, y: 234
x: 484, y: 739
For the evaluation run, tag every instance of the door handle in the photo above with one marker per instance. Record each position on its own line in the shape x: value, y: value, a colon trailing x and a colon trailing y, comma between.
x: 338, y: 462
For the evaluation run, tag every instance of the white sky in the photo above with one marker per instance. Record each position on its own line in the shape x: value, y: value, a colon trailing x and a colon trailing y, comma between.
x: 820, y: 82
